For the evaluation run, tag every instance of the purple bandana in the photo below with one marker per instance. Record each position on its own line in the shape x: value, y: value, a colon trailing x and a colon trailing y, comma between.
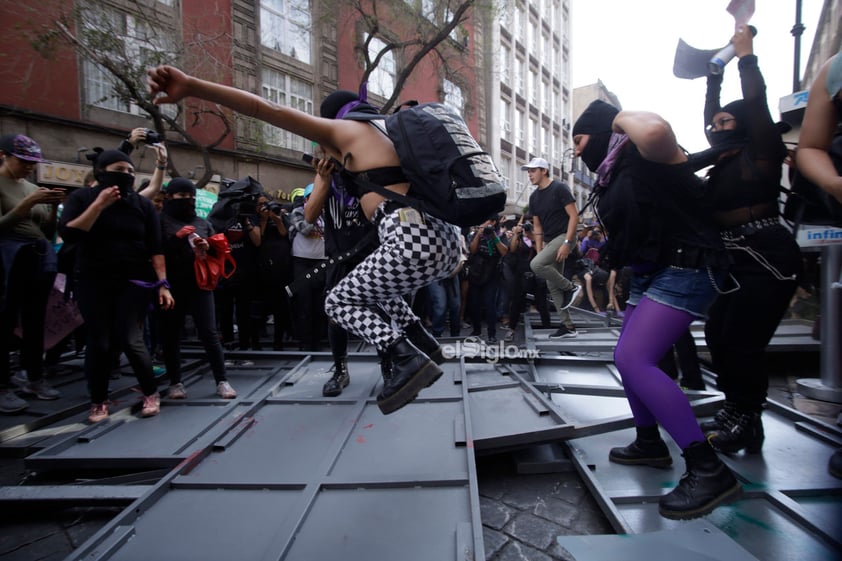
x: 615, y: 144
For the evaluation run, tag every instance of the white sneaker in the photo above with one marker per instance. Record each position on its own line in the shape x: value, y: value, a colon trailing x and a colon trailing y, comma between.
x: 225, y: 391
x: 41, y: 389
x: 11, y: 403
x: 151, y: 405
x: 177, y: 391
x: 99, y: 412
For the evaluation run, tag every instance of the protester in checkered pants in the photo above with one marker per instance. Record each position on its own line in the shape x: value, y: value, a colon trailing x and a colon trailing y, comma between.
x: 416, y: 249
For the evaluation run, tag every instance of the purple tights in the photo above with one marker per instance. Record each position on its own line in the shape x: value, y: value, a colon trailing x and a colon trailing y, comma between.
x: 649, y: 330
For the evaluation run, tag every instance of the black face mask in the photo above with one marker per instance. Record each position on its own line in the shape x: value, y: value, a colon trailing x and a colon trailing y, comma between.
x: 180, y: 209
x: 596, y: 149
x: 727, y: 138
x: 123, y: 181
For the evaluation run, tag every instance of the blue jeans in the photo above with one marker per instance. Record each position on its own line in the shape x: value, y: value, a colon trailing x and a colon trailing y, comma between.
x: 688, y: 290
x: 445, y: 301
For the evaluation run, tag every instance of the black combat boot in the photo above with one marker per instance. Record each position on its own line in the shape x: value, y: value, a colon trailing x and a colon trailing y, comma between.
x: 385, y: 365
x: 648, y: 449
x: 425, y: 342
x: 705, y: 485
x: 723, y: 419
x: 338, y: 381
x: 412, y: 371
x: 746, y: 431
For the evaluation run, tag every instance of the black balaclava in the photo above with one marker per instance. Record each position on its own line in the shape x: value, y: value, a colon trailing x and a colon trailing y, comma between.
x: 180, y: 209
x: 596, y: 122
x: 123, y: 181
x: 733, y: 138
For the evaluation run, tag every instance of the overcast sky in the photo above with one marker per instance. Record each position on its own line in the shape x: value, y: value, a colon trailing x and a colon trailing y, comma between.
x: 630, y: 46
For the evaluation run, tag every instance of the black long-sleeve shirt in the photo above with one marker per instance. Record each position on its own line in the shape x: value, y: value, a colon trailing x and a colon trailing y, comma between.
x: 121, y: 241
x: 753, y: 175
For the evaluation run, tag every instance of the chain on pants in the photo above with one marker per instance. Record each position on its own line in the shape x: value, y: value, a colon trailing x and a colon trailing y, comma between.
x: 413, y: 253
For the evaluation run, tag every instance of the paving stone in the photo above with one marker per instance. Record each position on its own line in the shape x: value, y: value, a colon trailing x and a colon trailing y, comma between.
x: 560, y: 553
x: 558, y: 511
x: 494, y: 541
x: 494, y: 514
x: 532, y: 530
x: 519, y: 552
x: 530, y: 490
x: 570, y: 489
x: 591, y: 520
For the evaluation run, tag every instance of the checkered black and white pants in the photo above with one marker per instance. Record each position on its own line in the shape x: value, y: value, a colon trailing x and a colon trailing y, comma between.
x: 415, y: 250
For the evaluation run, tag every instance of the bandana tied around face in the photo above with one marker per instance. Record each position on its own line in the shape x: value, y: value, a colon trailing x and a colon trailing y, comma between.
x: 606, y: 168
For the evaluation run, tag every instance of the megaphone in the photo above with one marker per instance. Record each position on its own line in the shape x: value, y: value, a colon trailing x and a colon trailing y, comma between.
x: 717, y: 63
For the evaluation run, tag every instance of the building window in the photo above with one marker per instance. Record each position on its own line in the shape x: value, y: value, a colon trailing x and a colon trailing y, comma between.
x: 285, y: 27
x: 505, y: 118
x: 519, y: 86
x: 453, y: 96
x: 546, y: 145
x: 533, y: 88
x: 547, y: 98
x: 381, y: 81
x: 505, y: 65
x: 506, y: 169
x: 132, y: 44
x: 286, y: 90
x: 534, y: 136
x: 521, y: 128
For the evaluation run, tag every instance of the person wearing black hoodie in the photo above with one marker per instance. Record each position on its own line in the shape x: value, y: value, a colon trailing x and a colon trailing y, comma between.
x: 652, y: 203
x: 185, y: 239
x: 120, y: 267
x: 744, y: 183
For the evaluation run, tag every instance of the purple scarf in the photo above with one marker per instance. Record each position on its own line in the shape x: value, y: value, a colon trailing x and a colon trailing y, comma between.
x: 615, y: 144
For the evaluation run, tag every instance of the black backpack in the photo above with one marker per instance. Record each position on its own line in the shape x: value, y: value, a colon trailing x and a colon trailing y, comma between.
x: 452, y: 178
x: 807, y: 203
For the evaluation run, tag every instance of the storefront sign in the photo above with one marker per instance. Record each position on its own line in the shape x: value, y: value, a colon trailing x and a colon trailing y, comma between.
x: 58, y: 173
x: 816, y: 236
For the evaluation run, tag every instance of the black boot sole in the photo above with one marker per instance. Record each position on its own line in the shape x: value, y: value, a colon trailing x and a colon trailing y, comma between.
x: 437, y: 356
x: 729, y: 496
x: 750, y: 447
x: 659, y: 462
x: 425, y: 377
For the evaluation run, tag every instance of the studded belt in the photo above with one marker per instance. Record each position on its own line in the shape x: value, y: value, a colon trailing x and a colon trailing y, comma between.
x: 749, y: 228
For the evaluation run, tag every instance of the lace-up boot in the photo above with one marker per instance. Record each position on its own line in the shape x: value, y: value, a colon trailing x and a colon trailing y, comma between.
x: 426, y: 343
x: 338, y: 381
x: 723, y: 419
x: 745, y: 432
x: 412, y: 371
x: 706, y: 484
x: 648, y: 449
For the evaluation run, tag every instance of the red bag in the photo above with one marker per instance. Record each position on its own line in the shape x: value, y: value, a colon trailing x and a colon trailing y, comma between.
x: 211, y: 267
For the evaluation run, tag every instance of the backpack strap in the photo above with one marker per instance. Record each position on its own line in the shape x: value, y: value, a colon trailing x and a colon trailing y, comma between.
x: 369, y: 185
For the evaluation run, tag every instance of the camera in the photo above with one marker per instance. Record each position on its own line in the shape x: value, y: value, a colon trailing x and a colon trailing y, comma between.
x: 489, y: 231
x: 527, y: 227
x: 247, y: 204
x: 274, y: 208
x: 152, y: 137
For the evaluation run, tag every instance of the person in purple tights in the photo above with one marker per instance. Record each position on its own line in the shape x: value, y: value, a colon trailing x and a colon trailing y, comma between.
x: 661, y: 225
